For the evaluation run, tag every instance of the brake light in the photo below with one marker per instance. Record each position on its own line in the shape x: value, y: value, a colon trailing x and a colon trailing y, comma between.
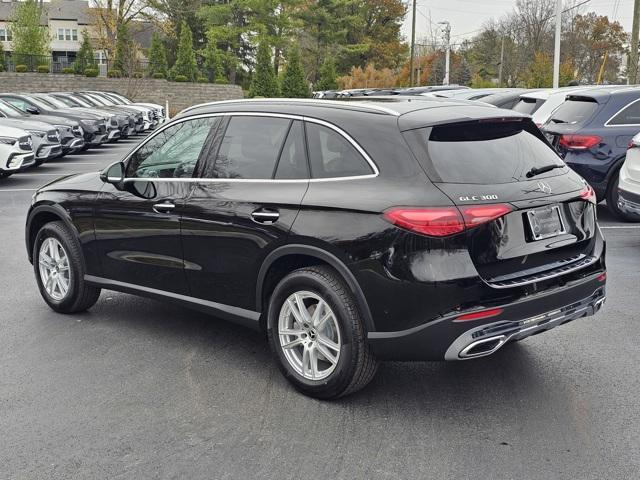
x: 435, y: 222
x: 634, y: 143
x: 588, y: 194
x: 479, y: 315
x: 578, y: 142
x: 444, y: 221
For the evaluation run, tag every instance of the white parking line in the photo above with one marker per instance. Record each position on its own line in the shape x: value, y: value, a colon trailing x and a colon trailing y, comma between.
x: 17, y: 190
x: 69, y: 163
x: 59, y: 174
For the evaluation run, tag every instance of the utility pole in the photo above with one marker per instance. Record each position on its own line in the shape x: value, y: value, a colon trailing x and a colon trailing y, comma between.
x: 502, y: 61
x: 413, y: 43
x: 632, y: 62
x: 447, y: 41
x: 556, y: 51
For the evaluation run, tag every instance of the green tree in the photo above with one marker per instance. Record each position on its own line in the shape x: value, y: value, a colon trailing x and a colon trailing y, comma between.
x: 157, y: 56
x: 29, y: 37
x: 186, y: 57
x: 1, y: 58
x: 212, y: 60
x: 294, y: 85
x: 463, y: 73
x: 124, y: 57
x: 264, y: 82
x: 328, y: 75
x: 84, y: 57
x: 436, y: 76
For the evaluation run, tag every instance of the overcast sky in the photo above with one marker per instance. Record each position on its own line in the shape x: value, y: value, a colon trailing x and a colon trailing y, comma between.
x: 466, y: 16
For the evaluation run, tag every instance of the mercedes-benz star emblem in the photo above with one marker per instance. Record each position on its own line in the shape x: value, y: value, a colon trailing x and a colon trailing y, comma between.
x: 544, y: 187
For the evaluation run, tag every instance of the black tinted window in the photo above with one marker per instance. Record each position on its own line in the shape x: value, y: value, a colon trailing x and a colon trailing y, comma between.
x: 482, y: 153
x: 173, y: 152
x: 293, y: 159
x: 528, y: 105
x: 250, y: 147
x: 331, y: 155
x: 629, y: 116
x: 574, y: 112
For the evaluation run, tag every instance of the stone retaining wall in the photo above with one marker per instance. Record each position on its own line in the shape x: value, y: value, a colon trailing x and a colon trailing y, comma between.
x: 179, y: 95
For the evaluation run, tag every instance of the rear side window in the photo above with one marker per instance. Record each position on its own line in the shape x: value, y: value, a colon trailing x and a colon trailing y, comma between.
x: 251, y: 147
x: 481, y: 152
x: 629, y: 116
x: 331, y: 155
x: 528, y: 106
x: 293, y: 159
x: 575, y: 111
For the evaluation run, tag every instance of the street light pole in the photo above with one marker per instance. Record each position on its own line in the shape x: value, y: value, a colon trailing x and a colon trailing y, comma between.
x: 447, y: 41
x: 632, y: 63
x: 413, y: 43
x: 556, y: 51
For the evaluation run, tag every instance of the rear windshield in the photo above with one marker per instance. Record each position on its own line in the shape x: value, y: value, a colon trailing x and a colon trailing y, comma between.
x: 575, y: 111
x: 528, y: 106
x: 482, y: 152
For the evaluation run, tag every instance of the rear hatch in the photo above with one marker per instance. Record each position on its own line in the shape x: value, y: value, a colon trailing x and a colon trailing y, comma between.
x: 542, y: 223
x: 562, y: 130
x: 528, y: 105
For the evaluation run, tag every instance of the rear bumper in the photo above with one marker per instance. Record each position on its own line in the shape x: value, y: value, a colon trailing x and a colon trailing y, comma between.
x: 628, y: 202
x: 449, y: 339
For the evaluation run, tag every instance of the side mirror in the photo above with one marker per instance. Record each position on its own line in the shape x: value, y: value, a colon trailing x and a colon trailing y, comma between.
x: 113, y: 174
x: 32, y: 110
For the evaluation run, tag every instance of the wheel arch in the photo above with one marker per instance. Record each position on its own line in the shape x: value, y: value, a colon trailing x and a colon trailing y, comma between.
x: 298, y: 253
x: 40, y: 216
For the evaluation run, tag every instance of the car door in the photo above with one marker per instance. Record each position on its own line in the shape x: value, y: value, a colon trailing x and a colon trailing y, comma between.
x: 243, y: 205
x: 137, y: 224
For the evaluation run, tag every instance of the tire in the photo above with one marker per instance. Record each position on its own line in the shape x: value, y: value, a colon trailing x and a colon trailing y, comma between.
x: 353, y: 365
x: 612, y: 201
x: 38, y: 163
x: 5, y: 174
x: 79, y: 296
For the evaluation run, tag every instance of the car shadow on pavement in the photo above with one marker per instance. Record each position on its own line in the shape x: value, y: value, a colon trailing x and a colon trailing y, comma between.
x: 514, y: 376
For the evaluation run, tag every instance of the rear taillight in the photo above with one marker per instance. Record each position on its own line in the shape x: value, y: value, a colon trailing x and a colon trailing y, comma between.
x: 578, y: 142
x: 634, y: 143
x: 588, y: 194
x: 444, y: 221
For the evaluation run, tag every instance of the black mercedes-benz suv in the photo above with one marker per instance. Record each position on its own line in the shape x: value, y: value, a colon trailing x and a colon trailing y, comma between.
x: 348, y: 232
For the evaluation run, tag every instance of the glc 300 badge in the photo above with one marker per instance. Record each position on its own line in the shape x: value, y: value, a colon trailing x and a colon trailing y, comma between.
x: 477, y: 198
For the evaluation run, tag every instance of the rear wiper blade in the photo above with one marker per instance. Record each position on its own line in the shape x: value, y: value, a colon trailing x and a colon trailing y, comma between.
x: 547, y: 168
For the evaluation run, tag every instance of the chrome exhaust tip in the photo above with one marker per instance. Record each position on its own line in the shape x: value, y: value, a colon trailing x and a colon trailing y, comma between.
x: 483, y: 347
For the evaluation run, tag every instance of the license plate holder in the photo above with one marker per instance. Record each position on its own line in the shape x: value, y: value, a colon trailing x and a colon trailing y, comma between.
x: 546, y: 222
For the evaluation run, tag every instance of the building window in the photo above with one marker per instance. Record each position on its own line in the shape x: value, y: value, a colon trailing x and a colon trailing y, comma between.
x: 61, y: 34
x: 67, y: 34
x: 74, y: 35
x: 5, y: 35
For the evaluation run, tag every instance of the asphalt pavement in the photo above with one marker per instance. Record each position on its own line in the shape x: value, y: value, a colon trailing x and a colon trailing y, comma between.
x: 139, y: 389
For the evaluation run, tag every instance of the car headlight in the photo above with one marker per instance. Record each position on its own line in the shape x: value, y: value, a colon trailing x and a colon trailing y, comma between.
x: 37, y: 133
x: 7, y: 140
x: 77, y: 130
x: 25, y: 143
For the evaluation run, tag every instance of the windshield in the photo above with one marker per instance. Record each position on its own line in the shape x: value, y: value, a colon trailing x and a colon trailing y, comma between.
x: 481, y: 152
x: 53, y: 101
x: 94, y: 100
x: 67, y: 101
x: 9, y: 110
x: 38, y: 102
x: 575, y: 111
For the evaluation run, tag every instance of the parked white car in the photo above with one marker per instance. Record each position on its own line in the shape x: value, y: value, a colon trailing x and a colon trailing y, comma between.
x: 629, y: 182
x: 16, y: 150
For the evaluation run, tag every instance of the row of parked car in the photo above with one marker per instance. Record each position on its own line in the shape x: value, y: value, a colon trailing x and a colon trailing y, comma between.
x: 37, y: 127
x: 591, y: 127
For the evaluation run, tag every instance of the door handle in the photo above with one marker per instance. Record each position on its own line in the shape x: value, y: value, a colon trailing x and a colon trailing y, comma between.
x: 265, y: 216
x: 164, y: 207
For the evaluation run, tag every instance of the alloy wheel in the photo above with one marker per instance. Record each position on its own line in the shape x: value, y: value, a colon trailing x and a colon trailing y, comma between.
x: 309, y: 335
x: 53, y: 263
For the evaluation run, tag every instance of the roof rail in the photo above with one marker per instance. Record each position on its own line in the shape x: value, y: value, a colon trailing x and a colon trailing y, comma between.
x: 313, y: 101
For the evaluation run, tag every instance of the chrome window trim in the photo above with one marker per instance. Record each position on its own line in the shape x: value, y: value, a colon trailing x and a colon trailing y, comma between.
x: 338, y: 130
x: 606, y: 124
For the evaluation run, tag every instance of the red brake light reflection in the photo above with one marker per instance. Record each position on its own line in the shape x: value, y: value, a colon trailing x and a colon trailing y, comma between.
x: 588, y: 194
x: 479, y: 315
